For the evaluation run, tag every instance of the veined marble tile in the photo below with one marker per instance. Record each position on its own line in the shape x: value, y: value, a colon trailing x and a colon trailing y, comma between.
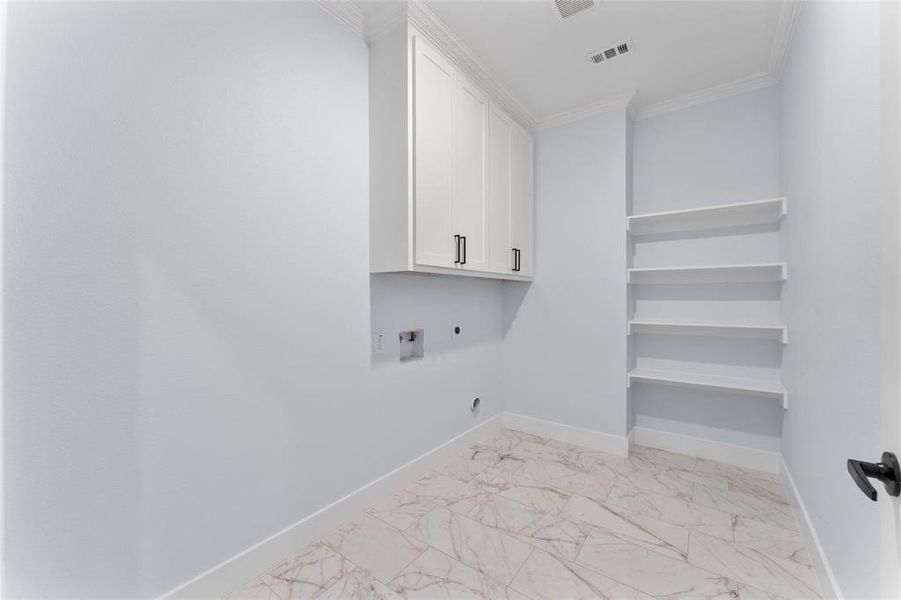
x: 706, y: 472
x: 747, y: 592
x: 748, y: 506
x: 604, y: 457
x: 711, y: 480
x: 309, y: 573
x: 523, y: 436
x: 436, y: 575
x: 529, y: 450
x: 672, y: 510
x: 545, y: 576
x: 771, y: 540
x: 558, y: 536
x: 554, y: 474
x: 503, y: 441
x: 636, y: 528
x: 358, y: 585
x: 665, y: 458
x: 447, y: 491
x: 767, y: 490
x: 380, y: 548
x: 659, y: 480
x: 574, y: 458
x: 504, y: 460
x: 487, y: 549
x: 463, y: 468
x: 511, y: 594
x: 652, y: 573
x: 523, y: 489
x: 507, y: 439
x: 402, y: 509
x: 736, y: 472
x: 778, y: 576
x: 256, y: 590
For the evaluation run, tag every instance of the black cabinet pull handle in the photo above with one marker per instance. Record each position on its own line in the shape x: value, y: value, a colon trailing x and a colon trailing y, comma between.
x: 463, y: 237
x: 518, y: 260
x: 456, y: 249
x: 887, y: 471
x: 516, y: 255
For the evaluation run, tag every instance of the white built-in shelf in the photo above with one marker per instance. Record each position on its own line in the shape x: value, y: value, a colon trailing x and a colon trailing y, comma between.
x: 711, y: 217
x: 747, y: 273
x: 751, y: 387
x: 735, y: 330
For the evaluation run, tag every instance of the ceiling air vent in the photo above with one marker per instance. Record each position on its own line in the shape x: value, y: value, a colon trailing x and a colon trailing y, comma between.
x: 570, y: 8
x: 599, y: 56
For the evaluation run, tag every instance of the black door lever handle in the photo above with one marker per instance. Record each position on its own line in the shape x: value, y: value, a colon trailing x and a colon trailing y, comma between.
x: 887, y: 471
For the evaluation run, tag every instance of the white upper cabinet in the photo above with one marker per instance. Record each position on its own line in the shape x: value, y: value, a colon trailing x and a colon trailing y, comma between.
x: 433, y: 95
x: 500, y: 171
x: 450, y: 172
x: 523, y: 201
x: 470, y: 198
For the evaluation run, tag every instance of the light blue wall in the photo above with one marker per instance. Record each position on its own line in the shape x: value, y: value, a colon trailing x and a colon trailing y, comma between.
x: 831, y: 173
x: 565, y: 345
x: 718, y: 152
x: 188, y: 316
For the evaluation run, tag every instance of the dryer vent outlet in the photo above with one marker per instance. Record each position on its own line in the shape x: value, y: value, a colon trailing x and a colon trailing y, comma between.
x: 474, y: 406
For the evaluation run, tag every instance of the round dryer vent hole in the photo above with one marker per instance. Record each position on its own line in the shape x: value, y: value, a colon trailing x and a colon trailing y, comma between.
x: 457, y: 330
x: 475, y: 404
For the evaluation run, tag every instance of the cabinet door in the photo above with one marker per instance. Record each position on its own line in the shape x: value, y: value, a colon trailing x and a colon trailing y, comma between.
x: 522, y: 203
x: 433, y: 93
x: 500, y: 190
x: 470, y: 211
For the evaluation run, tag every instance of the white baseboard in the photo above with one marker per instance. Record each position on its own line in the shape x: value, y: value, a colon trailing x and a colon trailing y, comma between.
x: 596, y: 440
x: 828, y: 584
x: 741, y: 456
x: 241, y: 568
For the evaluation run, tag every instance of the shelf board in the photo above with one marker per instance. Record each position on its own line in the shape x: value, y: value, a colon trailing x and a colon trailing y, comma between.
x: 746, y: 273
x: 712, y: 217
x: 751, y: 387
x: 737, y: 330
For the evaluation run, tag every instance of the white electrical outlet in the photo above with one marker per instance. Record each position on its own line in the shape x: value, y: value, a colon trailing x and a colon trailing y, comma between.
x: 378, y: 342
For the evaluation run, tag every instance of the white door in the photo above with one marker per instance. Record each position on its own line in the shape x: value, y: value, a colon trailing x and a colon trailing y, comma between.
x: 470, y: 206
x: 500, y: 171
x: 890, y: 507
x: 522, y: 179
x: 433, y: 93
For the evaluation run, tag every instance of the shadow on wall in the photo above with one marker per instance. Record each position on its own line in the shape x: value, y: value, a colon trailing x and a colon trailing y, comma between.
x: 746, y: 353
x: 759, y: 418
x: 514, y: 294
x: 454, y: 313
x: 717, y: 232
x: 713, y: 292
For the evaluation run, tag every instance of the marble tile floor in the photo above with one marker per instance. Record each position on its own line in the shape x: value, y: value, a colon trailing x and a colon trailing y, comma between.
x: 523, y: 517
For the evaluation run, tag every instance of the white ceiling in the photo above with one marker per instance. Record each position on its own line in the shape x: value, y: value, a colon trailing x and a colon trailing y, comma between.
x: 681, y: 49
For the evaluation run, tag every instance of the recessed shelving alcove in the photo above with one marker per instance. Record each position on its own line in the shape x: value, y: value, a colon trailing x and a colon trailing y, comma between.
x: 727, y: 223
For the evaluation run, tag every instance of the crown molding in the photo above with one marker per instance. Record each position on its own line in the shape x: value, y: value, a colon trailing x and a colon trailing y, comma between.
x: 621, y: 101
x: 416, y: 14
x: 439, y: 34
x: 716, y: 92
x: 785, y: 29
x: 347, y: 13
x: 421, y: 17
x: 384, y: 21
x: 789, y: 10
